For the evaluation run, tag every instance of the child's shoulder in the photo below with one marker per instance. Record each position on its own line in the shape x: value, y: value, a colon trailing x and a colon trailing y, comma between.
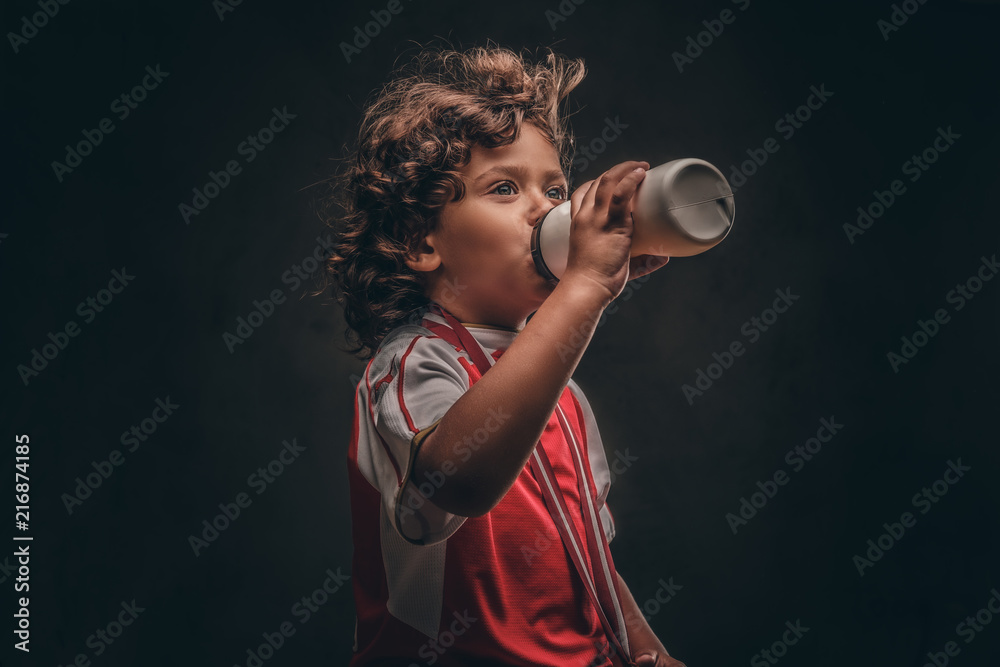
x: 408, y: 342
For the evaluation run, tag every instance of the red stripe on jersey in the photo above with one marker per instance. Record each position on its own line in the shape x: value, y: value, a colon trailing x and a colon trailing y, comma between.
x: 386, y: 378
x: 447, y: 335
x: 402, y: 404
x: 352, y: 449
x: 443, y: 333
x: 468, y: 367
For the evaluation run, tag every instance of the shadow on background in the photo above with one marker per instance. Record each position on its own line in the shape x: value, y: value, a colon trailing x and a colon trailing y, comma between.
x: 155, y: 416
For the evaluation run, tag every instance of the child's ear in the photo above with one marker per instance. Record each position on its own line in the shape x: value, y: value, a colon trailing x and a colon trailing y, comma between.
x: 424, y: 257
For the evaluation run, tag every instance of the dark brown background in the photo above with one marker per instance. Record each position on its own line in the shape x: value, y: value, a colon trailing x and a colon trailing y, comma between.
x: 825, y: 357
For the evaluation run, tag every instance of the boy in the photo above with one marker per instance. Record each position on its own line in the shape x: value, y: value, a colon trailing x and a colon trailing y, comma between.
x: 478, y: 499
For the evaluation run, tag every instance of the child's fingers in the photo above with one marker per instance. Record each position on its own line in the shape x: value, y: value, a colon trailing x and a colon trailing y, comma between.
x: 576, y: 199
x: 615, y: 188
x: 620, y: 205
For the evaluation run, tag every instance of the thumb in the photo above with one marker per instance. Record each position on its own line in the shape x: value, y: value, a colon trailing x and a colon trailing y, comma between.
x: 647, y: 658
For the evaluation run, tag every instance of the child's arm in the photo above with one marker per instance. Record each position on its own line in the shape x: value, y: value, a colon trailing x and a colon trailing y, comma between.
x: 647, y: 650
x: 529, y: 378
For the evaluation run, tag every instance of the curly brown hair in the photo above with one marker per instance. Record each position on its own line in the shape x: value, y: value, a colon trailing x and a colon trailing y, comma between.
x: 415, y: 135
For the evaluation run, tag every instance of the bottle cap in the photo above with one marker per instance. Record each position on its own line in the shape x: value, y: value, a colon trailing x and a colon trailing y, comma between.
x: 682, y: 208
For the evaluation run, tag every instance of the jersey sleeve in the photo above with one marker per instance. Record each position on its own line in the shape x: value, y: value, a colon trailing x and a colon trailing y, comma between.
x: 598, y: 461
x: 411, y: 384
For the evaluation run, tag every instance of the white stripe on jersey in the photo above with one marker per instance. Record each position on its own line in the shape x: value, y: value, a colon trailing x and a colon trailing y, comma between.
x: 591, y: 516
x: 598, y: 460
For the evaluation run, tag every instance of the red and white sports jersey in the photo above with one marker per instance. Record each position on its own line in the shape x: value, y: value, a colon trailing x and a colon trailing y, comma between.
x: 434, y: 588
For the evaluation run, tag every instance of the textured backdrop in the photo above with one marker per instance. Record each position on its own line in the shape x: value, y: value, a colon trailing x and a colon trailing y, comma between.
x: 837, y: 474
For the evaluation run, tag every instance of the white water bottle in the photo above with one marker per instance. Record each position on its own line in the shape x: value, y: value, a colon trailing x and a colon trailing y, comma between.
x: 681, y: 208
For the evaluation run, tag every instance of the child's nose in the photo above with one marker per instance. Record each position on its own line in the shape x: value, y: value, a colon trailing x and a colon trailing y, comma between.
x: 542, y: 206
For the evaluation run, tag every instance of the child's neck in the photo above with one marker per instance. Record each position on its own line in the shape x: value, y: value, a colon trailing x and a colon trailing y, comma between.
x: 489, y: 326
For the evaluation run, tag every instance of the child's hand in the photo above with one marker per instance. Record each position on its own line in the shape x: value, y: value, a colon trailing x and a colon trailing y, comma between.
x: 601, y: 230
x: 640, y: 265
x: 657, y: 659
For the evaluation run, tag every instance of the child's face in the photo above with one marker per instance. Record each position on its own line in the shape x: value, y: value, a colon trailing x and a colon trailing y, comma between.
x: 479, y: 256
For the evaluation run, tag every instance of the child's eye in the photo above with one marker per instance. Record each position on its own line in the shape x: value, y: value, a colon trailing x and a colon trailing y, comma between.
x: 558, y: 189
x: 507, y: 189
